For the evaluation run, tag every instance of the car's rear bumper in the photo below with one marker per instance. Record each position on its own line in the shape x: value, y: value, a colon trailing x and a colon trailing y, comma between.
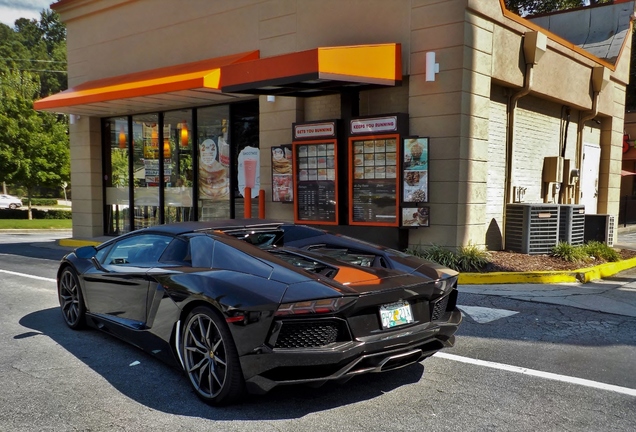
x: 342, y: 361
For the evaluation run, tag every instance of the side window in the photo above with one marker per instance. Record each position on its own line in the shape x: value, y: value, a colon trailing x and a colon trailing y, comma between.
x: 201, y: 251
x: 140, y: 250
x: 176, y: 253
x: 101, y: 254
x: 229, y: 258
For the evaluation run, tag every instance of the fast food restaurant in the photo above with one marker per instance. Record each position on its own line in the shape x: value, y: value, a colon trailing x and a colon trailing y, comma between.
x: 416, y: 130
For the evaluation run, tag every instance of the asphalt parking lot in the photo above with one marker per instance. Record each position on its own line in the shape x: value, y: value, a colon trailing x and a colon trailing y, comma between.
x: 519, y: 364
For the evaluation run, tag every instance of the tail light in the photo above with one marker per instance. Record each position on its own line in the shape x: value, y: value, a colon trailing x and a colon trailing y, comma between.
x: 322, y: 306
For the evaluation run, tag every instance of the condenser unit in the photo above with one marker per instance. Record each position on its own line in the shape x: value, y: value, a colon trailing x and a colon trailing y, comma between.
x: 532, y: 229
x: 572, y: 223
x: 600, y: 227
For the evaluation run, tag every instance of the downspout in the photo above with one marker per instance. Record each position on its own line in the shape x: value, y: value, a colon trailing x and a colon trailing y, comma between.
x: 599, y: 79
x: 579, y: 141
x: 534, y: 46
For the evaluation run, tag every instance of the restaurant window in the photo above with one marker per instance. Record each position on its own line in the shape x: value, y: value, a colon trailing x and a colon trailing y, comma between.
x: 214, y: 162
x: 177, y: 165
x: 146, y: 153
x: 159, y: 166
x: 116, y: 175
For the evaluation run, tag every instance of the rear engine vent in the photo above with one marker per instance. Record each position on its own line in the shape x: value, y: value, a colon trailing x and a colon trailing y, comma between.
x: 440, y: 307
x: 308, y: 334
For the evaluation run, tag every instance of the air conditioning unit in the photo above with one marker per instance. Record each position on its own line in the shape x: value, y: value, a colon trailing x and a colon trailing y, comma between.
x: 600, y: 227
x: 532, y: 229
x: 572, y: 224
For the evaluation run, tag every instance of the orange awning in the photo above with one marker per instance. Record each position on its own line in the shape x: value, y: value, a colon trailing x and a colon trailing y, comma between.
x: 317, y: 71
x: 172, y: 87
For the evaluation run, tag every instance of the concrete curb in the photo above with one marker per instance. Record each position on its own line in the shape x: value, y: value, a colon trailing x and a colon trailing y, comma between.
x: 74, y: 243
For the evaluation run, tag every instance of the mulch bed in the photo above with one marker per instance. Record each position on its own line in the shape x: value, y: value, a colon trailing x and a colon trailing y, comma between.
x: 505, y: 261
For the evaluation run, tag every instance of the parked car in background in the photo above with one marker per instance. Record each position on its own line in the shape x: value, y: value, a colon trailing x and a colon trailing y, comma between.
x: 252, y: 304
x: 9, y: 201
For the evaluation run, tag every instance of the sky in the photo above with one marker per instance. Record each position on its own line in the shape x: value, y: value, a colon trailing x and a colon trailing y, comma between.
x: 11, y: 10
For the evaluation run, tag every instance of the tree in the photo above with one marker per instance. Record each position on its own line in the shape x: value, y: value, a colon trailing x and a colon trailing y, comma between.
x: 34, y: 146
x: 532, y: 7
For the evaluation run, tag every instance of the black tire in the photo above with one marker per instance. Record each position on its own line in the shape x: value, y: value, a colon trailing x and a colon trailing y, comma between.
x: 210, y: 358
x: 71, y: 299
x: 13, y: 206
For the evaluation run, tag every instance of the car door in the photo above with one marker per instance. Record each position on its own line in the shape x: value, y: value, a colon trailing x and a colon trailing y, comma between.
x: 118, y: 290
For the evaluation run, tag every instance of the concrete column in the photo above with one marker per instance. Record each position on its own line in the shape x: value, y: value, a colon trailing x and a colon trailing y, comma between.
x: 86, y: 177
x: 453, y: 111
x: 275, y: 123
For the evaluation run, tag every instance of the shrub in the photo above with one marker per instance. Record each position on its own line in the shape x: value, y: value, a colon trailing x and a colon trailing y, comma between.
x: 39, y: 201
x: 601, y: 251
x: 437, y: 254
x: 36, y: 213
x: 570, y: 253
x: 471, y: 258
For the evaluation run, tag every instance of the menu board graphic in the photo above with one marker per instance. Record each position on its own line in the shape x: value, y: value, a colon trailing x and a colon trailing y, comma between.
x: 315, y: 182
x: 374, y: 174
x: 282, y: 182
x: 415, y: 216
x: 415, y: 174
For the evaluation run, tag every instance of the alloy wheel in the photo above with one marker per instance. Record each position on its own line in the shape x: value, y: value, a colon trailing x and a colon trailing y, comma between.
x: 70, y: 300
x: 205, y: 356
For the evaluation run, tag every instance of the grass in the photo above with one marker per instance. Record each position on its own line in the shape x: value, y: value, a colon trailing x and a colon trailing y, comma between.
x: 36, y: 224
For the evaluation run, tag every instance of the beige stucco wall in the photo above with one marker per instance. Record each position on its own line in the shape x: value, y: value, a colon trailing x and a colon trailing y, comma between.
x: 477, y: 47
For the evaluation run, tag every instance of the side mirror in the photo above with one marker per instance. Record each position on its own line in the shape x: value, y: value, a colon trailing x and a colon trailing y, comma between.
x: 85, y: 252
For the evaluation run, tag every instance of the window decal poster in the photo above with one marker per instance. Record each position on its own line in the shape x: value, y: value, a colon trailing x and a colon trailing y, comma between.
x: 415, y: 173
x: 282, y: 181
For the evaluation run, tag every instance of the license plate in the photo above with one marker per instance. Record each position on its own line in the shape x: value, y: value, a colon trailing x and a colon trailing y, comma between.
x: 395, y: 314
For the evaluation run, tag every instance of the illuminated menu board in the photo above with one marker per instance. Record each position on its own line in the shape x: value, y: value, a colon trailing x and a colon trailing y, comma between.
x: 374, y: 196
x: 315, y: 182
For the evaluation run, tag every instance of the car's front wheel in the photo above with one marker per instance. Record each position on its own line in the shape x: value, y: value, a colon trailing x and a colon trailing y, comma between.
x: 210, y: 357
x: 13, y: 206
x: 71, y: 299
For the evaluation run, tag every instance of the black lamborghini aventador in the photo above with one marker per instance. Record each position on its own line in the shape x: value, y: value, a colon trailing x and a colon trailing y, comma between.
x: 246, y: 305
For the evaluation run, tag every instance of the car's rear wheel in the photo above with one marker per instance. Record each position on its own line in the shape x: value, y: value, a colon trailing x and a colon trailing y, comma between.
x: 71, y: 300
x: 13, y: 206
x: 210, y: 358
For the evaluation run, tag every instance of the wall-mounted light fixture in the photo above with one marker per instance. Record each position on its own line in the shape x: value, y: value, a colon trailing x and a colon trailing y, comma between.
x: 122, y: 138
x: 183, y: 135
x: 73, y: 118
x: 432, y: 68
x: 271, y: 98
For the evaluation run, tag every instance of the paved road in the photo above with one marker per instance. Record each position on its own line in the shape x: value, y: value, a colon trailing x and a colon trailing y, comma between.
x: 542, y: 367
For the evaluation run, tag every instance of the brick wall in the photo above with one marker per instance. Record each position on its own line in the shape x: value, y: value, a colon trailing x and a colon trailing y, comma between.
x: 539, y: 129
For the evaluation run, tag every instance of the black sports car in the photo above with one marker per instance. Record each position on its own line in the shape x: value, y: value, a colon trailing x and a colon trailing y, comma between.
x: 252, y: 304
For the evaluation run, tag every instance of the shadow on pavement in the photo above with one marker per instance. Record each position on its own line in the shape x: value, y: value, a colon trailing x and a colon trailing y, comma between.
x: 43, y: 250
x: 166, y: 389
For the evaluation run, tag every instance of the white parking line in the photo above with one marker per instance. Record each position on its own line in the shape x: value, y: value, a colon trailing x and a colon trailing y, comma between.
x: 540, y: 374
x: 28, y: 276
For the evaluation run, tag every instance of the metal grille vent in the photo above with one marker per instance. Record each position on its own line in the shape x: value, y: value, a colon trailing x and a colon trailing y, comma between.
x: 600, y: 227
x: 305, y: 335
x: 532, y: 228
x: 439, y: 308
x: 572, y: 224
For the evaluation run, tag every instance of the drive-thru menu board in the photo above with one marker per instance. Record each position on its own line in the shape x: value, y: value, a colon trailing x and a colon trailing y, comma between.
x: 374, y: 180
x: 315, y: 182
